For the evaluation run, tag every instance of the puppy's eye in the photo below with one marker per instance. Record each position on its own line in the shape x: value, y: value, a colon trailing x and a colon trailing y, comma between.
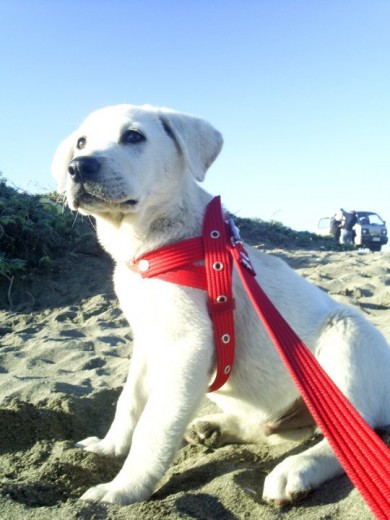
x: 132, y: 137
x: 81, y: 143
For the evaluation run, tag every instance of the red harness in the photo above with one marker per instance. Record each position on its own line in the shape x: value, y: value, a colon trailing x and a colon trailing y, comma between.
x: 179, y: 263
x: 363, y: 455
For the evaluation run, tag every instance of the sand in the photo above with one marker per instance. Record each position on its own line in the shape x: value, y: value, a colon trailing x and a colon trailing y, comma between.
x: 64, y: 349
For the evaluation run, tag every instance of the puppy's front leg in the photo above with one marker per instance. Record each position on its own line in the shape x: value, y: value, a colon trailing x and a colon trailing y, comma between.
x: 128, y: 410
x: 176, y: 389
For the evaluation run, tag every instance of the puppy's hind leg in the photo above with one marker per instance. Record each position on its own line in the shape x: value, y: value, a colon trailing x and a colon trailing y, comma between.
x: 295, y: 476
x: 356, y: 358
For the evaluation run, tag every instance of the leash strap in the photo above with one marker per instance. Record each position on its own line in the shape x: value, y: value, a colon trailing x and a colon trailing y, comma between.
x: 363, y: 455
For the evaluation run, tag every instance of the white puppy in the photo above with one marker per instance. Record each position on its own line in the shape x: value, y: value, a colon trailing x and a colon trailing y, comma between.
x: 135, y: 170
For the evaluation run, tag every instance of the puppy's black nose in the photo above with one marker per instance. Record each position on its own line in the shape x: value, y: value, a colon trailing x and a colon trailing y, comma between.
x: 83, y: 168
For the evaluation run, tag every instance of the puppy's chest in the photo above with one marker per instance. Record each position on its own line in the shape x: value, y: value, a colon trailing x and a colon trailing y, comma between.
x: 133, y: 296
x: 145, y: 302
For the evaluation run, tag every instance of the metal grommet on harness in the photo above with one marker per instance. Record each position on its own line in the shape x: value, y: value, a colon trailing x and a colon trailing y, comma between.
x: 143, y: 265
x: 215, y: 234
x: 217, y: 266
x: 225, y: 338
x: 221, y: 298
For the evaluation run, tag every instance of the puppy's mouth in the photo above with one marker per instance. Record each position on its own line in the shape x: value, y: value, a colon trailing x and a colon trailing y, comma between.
x: 83, y: 200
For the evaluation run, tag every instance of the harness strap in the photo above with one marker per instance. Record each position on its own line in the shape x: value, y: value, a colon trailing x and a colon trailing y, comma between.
x: 218, y: 266
x: 175, y: 263
x: 179, y: 263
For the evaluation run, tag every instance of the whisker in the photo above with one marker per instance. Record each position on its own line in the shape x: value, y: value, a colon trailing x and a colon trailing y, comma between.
x: 75, y: 219
x: 92, y: 223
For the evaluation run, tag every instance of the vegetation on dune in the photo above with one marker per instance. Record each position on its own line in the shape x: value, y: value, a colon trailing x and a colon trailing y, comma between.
x: 273, y: 234
x: 36, y: 231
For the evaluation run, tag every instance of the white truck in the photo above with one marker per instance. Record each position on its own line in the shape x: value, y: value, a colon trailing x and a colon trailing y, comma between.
x: 369, y: 232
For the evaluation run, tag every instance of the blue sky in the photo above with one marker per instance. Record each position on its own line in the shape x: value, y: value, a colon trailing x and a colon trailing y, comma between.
x: 300, y: 89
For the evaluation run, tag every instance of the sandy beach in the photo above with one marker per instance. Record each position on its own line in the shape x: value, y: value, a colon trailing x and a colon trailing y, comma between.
x: 64, y: 350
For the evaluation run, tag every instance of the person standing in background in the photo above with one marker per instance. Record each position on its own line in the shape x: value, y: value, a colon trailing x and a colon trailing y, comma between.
x: 335, y: 223
x: 347, y: 223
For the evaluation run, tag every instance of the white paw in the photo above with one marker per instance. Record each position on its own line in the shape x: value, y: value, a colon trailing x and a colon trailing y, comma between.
x: 103, y: 446
x: 108, y: 493
x: 288, y: 482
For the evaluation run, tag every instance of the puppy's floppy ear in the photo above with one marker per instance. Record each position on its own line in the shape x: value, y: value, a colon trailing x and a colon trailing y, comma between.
x: 198, y: 141
x: 61, y: 160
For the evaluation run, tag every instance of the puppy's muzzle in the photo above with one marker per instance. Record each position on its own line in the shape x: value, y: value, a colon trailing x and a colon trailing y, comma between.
x: 84, y: 169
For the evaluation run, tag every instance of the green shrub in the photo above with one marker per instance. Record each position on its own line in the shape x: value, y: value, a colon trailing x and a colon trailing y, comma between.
x: 35, y: 229
x: 274, y: 233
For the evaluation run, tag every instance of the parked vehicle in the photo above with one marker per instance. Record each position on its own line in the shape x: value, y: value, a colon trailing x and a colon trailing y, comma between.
x: 370, y: 230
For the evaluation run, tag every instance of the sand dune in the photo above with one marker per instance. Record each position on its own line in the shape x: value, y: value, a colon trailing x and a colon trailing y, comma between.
x: 64, y: 352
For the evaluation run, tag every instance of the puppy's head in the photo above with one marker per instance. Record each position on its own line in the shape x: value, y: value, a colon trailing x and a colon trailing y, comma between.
x: 123, y: 157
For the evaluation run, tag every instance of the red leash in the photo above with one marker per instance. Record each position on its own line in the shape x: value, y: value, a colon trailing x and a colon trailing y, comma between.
x: 363, y: 455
